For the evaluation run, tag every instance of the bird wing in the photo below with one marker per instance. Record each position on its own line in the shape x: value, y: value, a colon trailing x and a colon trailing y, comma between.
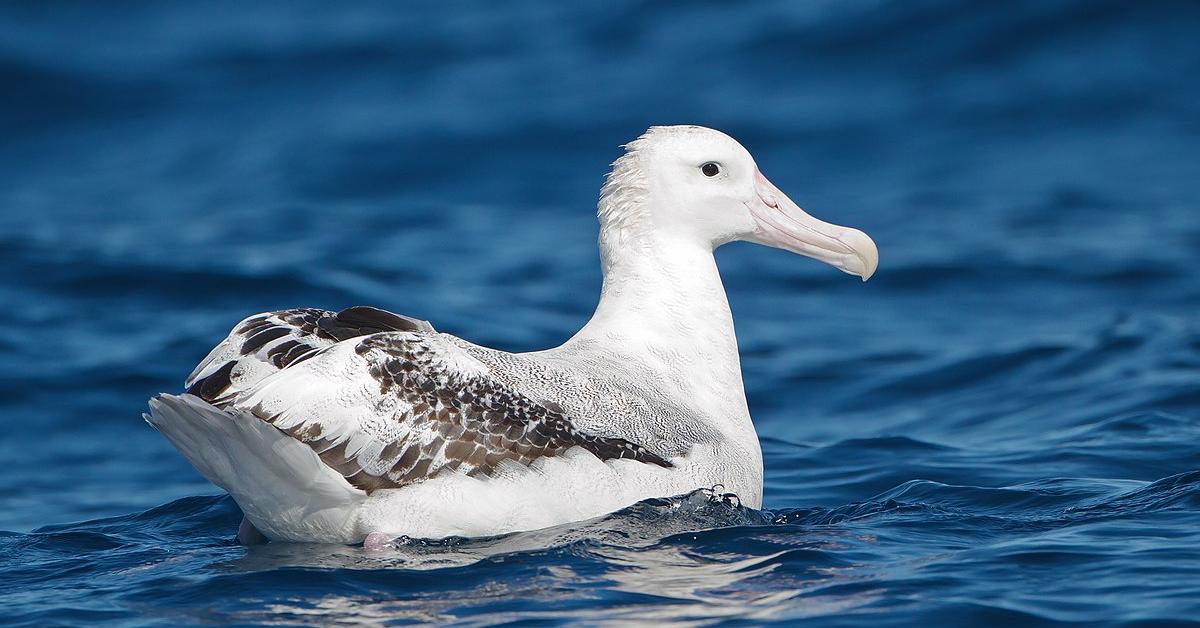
x: 264, y: 344
x: 389, y: 409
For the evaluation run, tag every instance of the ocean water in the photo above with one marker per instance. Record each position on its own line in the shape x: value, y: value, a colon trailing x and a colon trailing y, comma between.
x: 1001, y: 428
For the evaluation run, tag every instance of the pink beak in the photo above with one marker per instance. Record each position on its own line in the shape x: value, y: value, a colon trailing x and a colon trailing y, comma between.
x: 782, y: 224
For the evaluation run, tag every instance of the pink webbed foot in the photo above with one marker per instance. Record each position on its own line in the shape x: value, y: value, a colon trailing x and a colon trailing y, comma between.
x: 377, y: 542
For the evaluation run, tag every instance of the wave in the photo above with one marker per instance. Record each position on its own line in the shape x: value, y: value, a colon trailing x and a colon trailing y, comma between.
x: 697, y: 552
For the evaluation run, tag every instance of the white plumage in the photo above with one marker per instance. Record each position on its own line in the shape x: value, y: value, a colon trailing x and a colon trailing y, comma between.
x: 332, y: 426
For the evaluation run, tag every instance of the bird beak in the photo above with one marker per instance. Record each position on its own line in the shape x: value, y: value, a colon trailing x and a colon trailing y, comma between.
x: 782, y: 224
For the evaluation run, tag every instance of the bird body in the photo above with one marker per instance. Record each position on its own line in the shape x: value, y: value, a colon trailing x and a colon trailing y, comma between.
x: 332, y: 426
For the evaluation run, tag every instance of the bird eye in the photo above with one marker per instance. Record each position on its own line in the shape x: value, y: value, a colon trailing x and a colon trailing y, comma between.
x: 710, y: 169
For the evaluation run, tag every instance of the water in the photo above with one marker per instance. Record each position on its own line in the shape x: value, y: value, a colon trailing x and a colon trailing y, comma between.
x: 1002, y: 427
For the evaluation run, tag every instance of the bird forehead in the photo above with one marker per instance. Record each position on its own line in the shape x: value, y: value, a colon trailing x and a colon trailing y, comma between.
x: 687, y: 136
x: 695, y: 147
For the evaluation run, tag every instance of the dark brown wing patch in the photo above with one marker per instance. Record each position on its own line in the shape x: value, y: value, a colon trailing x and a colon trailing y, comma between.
x: 292, y: 336
x: 211, y: 387
x: 452, y: 421
x: 261, y: 338
x: 480, y: 421
x: 362, y: 320
x: 352, y: 322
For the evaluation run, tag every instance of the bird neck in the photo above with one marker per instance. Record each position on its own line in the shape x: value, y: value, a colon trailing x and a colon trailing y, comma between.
x: 663, y: 307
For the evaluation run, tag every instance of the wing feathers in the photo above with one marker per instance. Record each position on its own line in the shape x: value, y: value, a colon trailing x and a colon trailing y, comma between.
x: 391, y: 409
x: 264, y: 344
x: 386, y: 401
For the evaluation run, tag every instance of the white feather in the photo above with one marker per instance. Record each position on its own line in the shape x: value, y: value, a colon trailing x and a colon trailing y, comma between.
x: 656, y: 366
x: 281, y: 485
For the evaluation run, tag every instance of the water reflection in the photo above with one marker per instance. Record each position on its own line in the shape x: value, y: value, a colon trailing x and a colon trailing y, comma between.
x: 665, y: 560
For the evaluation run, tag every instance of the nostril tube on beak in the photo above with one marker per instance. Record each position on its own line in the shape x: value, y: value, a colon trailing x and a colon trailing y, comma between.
x: 764, y: 189
x: 783, y: 224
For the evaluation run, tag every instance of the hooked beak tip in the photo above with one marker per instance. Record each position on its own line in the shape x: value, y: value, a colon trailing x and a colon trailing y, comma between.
x: 781, y: 223
x: 865, y: 252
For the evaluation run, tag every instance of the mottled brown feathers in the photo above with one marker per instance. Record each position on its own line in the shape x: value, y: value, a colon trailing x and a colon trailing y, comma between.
x: 452, y: 422
x: 211, y: 387
x: 442, y: 416
x: 361, y: 320
x: 305, y: 332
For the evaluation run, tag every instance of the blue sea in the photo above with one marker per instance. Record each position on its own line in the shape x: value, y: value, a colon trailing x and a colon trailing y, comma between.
x: 1001, y: 428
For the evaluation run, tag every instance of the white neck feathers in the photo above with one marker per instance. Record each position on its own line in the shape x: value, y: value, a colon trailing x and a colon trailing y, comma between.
x: 663, y: 302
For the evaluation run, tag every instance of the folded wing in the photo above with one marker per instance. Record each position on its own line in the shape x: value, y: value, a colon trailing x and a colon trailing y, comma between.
x: 267, y: 343
x: 392, y: 408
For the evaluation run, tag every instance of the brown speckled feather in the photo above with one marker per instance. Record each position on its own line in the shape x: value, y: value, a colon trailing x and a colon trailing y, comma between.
x: 415, y: 406
x: 264, y: 344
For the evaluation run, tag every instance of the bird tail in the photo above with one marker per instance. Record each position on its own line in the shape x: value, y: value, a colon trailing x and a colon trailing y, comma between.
x: 280, y: 483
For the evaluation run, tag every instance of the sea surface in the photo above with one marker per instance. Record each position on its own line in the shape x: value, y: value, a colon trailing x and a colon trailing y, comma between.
x: 1001, y: 428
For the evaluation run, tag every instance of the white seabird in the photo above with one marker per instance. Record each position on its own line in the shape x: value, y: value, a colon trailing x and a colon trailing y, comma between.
x: 335, y: 426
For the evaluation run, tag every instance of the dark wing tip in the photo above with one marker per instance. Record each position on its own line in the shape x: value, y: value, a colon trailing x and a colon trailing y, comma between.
x: 367, y: 317
x: 210, y: 387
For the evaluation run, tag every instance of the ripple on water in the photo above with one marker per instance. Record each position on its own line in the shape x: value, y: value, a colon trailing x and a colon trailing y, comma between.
x: 1001, y: 428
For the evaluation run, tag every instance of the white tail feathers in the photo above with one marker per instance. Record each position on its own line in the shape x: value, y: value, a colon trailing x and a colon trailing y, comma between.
x: 281, y: 485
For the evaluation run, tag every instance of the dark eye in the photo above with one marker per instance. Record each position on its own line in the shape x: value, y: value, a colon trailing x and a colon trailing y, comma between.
x: 710, y: 169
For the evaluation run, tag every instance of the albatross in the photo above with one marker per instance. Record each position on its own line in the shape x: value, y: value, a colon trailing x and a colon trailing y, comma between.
x: 360, y: 425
